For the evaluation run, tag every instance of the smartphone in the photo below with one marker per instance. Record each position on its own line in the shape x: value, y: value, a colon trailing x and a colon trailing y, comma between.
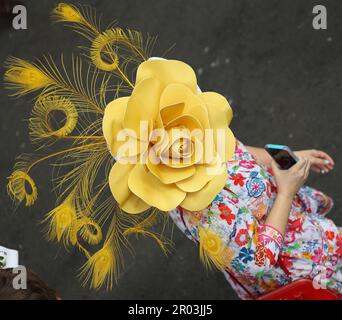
x: 283, y: 155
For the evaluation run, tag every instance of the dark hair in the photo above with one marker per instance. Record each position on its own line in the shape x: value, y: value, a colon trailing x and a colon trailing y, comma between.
x: 36, y: 289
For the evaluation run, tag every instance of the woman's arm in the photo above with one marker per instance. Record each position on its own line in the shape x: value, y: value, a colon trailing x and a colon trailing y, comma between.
x: 232, y: 237
x: 321, y: 162
x: 288, y: 183
x: 261, y: 155
x: 279, y: 215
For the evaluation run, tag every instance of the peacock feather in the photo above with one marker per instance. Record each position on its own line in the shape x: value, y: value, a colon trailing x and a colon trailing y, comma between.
x: 66, y: 129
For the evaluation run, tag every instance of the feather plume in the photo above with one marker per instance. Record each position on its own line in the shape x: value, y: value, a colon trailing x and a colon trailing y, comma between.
x: 107, y: 46
x: 60, y: 221
x: 83, y: 20
x: 41, y: 122
x: 149, y: 222
x: 23, y: 77
x: 67, y: 13
x: 81, y: 161
x: 103, y: 267
x: 17, y: 187
x: 213, y: 251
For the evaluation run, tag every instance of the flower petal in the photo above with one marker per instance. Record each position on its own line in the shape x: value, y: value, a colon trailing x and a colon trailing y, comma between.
x: 225, y: 143
x: 118, y: 183
x: 220, y: 116
x: 112, y: 122
x: 181, y: 100
x: 168, y: 71
x: 170, y: 156
x: 230, y: 145
x: 143, y: 105
x: 199, y: 200
x: 134, y: 205
x: 168, y: 175
x: 204, y: 173
x: 218, y: 106
x: 186, y: 121
x: 171, y: 112
x: 130, y: 148
x: 151, y: 190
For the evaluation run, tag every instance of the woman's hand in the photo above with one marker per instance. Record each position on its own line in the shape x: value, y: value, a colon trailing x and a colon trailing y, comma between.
x: 321, y: 162
x: 289, y: 181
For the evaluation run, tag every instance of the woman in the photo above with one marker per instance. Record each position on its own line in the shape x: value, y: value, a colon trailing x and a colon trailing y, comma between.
x: 269, y: 228
x: 261, y: 218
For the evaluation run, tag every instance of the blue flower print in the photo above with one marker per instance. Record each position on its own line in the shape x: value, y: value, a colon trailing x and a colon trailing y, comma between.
x: 246, y: 255
x: 194, y: 232
x: 237, y: 265
x: 255, y: 186
x: 218, y: 198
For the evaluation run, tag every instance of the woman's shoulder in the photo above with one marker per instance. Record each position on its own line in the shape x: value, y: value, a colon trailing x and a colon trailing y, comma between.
x: 241, y: 152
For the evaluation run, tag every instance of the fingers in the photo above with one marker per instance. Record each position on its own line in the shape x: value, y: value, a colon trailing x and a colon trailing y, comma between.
x: 274, y: 166
x: 299, y: 165
x: 318, y: 162
x: 325, y: 169
x: 329, y: 163
x: 322, y: 155
x: 306, y: 169
x: 316, y: 169
x: 320, y: 165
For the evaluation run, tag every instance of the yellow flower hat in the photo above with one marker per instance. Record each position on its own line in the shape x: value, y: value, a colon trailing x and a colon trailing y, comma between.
x: 166, y: 97
x: 104, y: 159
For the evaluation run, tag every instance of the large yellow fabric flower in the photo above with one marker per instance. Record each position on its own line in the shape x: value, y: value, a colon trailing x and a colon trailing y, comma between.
x: 166, y: 98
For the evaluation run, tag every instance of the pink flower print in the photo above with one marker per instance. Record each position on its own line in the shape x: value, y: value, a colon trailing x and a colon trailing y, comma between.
x: 317, y: 255
x: 330, y: 272
x: 334, y: 259
x: 290, y: 237
x: 247, y: 164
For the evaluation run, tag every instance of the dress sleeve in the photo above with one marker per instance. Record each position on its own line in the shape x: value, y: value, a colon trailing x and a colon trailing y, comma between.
x: 231, y: 237
x: 315, y: 201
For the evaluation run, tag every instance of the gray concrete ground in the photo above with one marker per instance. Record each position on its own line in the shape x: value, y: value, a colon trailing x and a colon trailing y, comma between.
x: 284, y: 81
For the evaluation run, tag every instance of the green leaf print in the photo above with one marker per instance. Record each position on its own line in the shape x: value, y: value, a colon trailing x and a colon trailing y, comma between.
x: 262, y: 173
x: 209, y: 215
x: 244, y: 210
x: 292, y: 247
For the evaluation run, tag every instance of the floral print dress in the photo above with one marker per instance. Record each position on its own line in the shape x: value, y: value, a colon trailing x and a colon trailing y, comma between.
x: 257, y: 255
